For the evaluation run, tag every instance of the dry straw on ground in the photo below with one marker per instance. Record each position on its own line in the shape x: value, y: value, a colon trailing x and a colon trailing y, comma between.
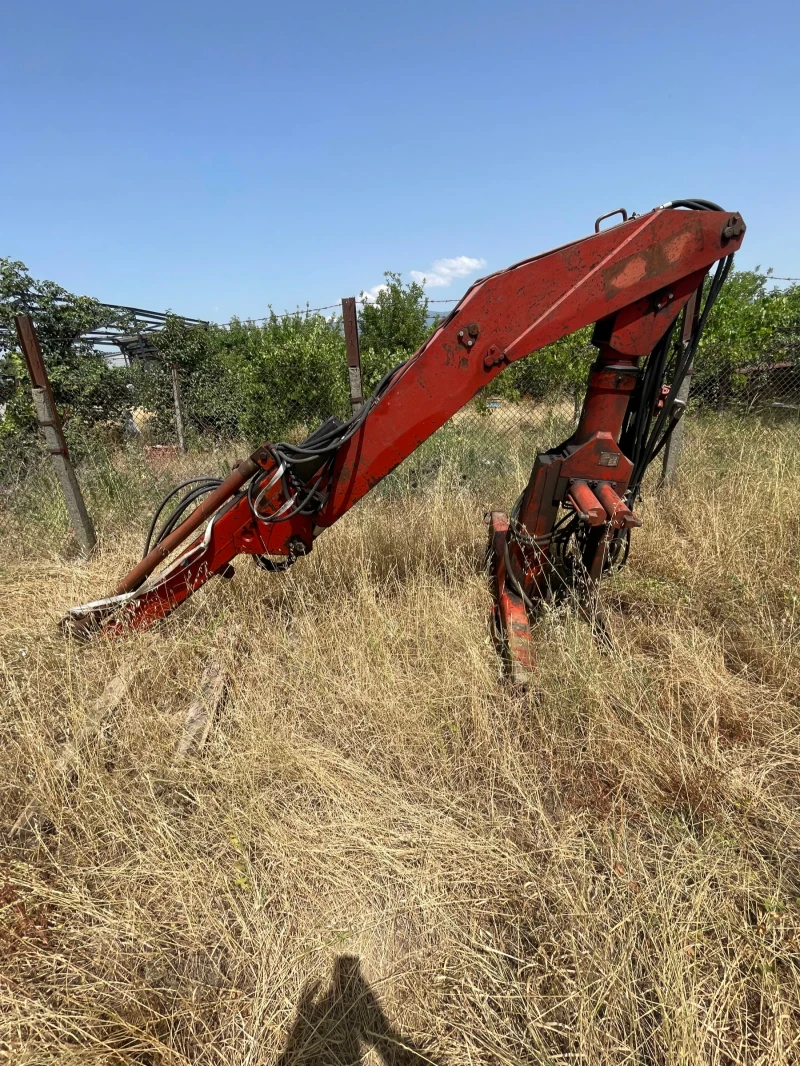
x: 382, y: 850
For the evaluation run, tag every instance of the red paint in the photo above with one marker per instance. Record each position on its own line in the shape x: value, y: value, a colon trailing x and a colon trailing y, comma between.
x: 635, y: 276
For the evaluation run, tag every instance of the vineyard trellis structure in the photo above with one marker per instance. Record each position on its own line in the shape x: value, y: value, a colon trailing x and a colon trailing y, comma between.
x: 138, y: 341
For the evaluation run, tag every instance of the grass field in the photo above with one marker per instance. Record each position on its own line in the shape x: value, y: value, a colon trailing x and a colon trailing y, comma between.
x: 384, y: 851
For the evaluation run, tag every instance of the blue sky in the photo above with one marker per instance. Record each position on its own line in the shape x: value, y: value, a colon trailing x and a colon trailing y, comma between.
x: 214, y: 158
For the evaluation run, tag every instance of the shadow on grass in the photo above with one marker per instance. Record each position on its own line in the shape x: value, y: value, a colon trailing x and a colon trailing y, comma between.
x: 337, y: 1026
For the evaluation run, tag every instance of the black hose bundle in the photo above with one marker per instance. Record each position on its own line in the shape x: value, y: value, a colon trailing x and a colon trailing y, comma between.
x: 202, y: 487
x: 298, y: 463
x: 645, y: 430
x: 645, y: 433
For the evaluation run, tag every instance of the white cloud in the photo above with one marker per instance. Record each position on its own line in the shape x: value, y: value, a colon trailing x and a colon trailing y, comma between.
x: 369, y: 296
x: 445, y: 271
x: 441, y: 274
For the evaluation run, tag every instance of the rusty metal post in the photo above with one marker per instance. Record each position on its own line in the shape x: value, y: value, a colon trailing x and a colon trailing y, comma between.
x: 176, y: 397
x: 48, y: 419
x: 353, y: 354
x: 673, y: 447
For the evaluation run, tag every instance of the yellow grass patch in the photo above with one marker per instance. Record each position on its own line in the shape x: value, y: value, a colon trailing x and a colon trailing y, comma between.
x: 380, y: 846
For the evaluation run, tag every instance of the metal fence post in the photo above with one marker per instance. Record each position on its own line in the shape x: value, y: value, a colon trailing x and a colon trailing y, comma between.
x: 672, y: 449
x: 48, y: 419
x: 176, y: 397
x: 353, y: 354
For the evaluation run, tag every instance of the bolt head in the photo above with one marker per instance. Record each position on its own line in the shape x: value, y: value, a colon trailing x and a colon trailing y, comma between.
x: 470, y: 343
x: 461, y: 334
x: 473, y: 329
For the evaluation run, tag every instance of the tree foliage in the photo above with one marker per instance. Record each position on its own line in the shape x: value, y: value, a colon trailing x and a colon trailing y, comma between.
x: 391, y: 327
x: 288, y: 372
x: 284, y: 375
x: 187, y: 347
x: 397, y: 319
x: 750, y: 323
x: 251, y: 380
x: 86, y: 389
x: 558, y: 369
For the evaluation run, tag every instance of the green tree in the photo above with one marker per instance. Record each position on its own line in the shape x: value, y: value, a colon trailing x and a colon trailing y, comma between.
x: 391, y: 327
x: 192, y: 350
x: 86, y: 389
x: 285, y: 375
x: 560, y: 369
x: 257, y: 380
x: 750, y: 323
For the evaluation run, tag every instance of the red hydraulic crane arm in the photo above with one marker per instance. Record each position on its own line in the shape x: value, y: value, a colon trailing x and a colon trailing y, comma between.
x: 514, y: 313
x: 636, y: 276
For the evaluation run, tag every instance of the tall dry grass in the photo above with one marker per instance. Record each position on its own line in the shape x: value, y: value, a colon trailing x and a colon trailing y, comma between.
x: 383, y: 848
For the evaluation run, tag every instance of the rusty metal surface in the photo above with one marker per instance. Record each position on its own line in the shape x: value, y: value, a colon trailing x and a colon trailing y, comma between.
x: 589, y: 472
x: 350, y: 322
x: 619, y: 514
x: 510, y: 625
x: 31, y: 350
x: 519, y: 311
x: 586, y: 504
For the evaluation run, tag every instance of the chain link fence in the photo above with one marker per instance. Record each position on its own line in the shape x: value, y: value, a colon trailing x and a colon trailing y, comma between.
x: 200, y: 414
x: 757, y: 388
x: 189, y: 419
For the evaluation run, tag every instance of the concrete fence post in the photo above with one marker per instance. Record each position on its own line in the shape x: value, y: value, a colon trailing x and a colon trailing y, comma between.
x: 353, y: 354
x: 176, y: 399
x: 672, y: 449
x: 48, y: 419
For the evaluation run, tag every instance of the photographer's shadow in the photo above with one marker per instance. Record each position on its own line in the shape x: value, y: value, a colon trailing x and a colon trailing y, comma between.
x: 337, y: 1026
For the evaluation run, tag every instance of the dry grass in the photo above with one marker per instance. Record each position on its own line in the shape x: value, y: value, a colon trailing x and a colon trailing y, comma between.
x: 380, y: 845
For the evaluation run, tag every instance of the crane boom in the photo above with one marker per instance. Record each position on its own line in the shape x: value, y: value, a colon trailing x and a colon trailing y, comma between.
x: 632, y: 280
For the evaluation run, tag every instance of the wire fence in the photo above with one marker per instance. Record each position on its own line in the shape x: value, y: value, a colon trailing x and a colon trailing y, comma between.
x: 209, y: 414
x: 184, y: 422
